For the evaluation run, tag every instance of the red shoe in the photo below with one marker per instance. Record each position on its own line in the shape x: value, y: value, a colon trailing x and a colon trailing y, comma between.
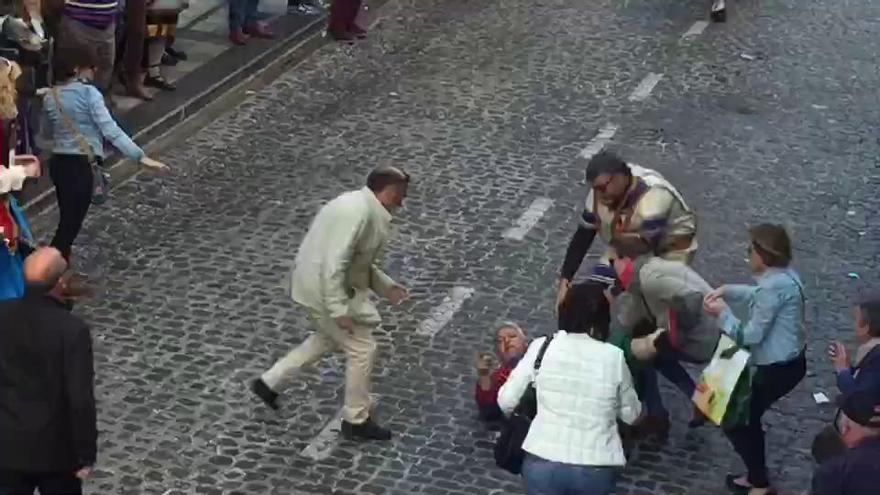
x: 237, y: 37
x: 260, y: 30
x: 357, y: 31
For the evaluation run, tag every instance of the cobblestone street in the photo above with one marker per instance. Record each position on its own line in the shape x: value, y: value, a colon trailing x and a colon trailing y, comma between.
x: 771, y: 116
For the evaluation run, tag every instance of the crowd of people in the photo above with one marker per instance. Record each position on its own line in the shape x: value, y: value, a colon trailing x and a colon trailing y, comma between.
x: 642, y: 310
x: 638, y: 314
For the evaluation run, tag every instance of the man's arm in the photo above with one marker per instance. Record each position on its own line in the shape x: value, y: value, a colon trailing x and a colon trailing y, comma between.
x: 577, y: 249
x: 380, y: 282
x: 79, y: 389
x: 343, y: 227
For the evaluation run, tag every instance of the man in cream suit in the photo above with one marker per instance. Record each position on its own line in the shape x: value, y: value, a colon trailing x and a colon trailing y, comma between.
x: 334, y: 273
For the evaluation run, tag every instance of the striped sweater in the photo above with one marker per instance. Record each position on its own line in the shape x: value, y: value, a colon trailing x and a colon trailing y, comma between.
x: 98, y: 14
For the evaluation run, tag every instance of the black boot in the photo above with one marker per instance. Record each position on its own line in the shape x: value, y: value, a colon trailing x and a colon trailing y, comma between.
x: 368, y: 430
x: 266, y: 394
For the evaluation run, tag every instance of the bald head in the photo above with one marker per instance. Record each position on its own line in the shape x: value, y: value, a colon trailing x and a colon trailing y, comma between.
x: 44, y: 268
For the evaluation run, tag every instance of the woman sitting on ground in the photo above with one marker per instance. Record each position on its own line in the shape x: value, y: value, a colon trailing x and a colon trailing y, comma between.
x: 510, y: 345
x: 583, y: 388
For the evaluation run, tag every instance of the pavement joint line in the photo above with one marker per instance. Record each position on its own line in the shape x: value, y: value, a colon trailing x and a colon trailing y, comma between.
x: 695, y: 30
x: 599, y: 141
x: 321, y: 447
x: 528, y: 219
x: 643, y: 90
x: 442, y: 314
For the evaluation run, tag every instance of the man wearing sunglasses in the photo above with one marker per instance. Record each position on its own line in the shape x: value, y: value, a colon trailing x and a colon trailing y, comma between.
x: 857, y: 470
x: 630, y: 205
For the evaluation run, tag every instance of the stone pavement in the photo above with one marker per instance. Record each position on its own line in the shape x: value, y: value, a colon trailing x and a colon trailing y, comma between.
x: 767, y: 117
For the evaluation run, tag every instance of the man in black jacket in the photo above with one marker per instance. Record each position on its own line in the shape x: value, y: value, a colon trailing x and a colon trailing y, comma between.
x: 48, y: 431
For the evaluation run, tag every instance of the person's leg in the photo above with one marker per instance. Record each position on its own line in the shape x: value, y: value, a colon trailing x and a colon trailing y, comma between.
x: 354, y: 8
x: 593, y: 480
x: 540, y: 476
x: 360, y: 353
x: 154, y: 79
x: 282, y: 373
x: 16, y: 483
x: 237, y: 15
x: 252, y: 12
x: 59, y: 484
x: 73, y: 180
x: 651, y: 393
x: 105, y: 47
x: 770, y: 384
x: 672, y: 370
x: 338, y: 25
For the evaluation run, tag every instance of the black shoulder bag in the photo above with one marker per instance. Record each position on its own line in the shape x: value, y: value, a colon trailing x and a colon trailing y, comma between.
x: 509, y: 454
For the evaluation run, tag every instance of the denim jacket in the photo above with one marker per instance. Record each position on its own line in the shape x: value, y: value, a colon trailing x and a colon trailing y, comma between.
x: 85, y: 107
x: 774, y: 330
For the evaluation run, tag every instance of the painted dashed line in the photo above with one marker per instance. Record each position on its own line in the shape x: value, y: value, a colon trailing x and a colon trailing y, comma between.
x: 598, y: 143
x: 528, y: 219
x: 696, y: 29
x: 442, y: 314
x: 322, y: 446
x: 643, y: 90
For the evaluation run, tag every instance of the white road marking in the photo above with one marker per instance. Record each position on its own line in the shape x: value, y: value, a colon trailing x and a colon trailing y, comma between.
x: 643, y: 90
x: 323, y: 444
x: 599, y: 142
x: 327, y: 439
x: 528, y: 219
x: 696, y: 29
x: 443, y: 313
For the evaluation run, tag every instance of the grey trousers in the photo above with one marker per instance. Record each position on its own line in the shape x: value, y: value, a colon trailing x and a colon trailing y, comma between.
x: 104, y: 41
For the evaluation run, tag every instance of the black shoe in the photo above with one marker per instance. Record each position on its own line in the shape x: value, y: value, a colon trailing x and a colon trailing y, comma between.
x: 719, y: 11
x: 159, y: 82
x: 168, y: 60
x: 266, y: 394
x: 179, y: 55
x: 697, y: 419
x: 735, y: 487
x: 368, y: 430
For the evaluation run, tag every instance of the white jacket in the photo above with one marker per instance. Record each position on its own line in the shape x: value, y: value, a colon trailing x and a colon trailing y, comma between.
x: 335, y: 267
x: 583, y: 387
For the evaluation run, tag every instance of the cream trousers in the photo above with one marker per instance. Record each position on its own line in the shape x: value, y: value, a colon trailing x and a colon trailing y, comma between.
x: 359, y: 347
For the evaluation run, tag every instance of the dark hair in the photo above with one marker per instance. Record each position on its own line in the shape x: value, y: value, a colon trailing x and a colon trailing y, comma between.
x: 382, y: 177
x: 72, y: 57
x: 771, y: 242
x: 869, y: 306
x: 586, y: 310
x: 607, y: 162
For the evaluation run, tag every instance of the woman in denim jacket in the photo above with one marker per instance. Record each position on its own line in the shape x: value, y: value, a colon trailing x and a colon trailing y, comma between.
x: 78, y: 130
x: 773, y: 332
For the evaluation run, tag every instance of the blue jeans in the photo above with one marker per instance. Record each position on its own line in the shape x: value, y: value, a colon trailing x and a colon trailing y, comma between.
x: 242, y: 13
x: 672, y: 369
x: 545, y: 477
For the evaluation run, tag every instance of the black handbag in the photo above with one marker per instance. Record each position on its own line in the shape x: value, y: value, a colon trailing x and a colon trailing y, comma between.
x: 509, y: 454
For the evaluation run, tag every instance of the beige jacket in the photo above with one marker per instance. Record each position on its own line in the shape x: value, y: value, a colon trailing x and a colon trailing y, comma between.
x: 335, y: 267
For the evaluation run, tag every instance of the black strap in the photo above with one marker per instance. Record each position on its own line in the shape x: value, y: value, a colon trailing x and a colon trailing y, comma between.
x: 542, y: 351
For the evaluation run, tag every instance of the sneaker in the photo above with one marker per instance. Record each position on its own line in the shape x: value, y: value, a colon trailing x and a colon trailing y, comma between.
x: 368, y: 430
x: 237, y: 37
x: 266, y: 394
x: 304, y: 9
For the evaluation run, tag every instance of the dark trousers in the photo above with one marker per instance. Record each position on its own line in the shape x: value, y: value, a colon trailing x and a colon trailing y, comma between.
x: 19, y: 483
x: 343, y: 14
x: 72, y: 176
x: 134, y: 34
x: 243, y: 13
x: 771, y: 383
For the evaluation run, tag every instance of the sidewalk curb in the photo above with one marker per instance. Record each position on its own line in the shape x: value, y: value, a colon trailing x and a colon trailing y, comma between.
x: 214, y: 101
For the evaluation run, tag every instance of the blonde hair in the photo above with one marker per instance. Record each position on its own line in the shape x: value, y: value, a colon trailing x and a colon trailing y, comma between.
x: 9, y: 72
